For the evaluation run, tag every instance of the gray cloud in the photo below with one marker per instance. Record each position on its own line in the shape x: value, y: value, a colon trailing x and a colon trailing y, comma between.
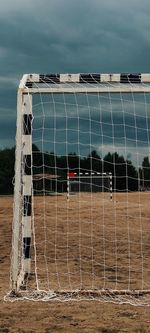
x: 82, y: 35
x: 68, y: 36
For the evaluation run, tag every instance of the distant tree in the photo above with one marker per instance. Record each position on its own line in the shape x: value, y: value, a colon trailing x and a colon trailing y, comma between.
x: 124, y: 173
x: 73, y: 161
x: 94, y: 162
x: 145, y: 172
x: 132, y: 176
x: 37, y: 160
x: 108, y: 163
x: 62, y: 163
x: 7, y: 159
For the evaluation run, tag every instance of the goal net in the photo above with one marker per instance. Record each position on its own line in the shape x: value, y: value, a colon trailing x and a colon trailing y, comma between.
x: 88, y: 135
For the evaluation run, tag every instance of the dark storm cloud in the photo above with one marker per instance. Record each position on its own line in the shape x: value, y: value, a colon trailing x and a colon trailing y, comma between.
x: 103, y: 126
x: 69, y: 36
x: 75, y: 35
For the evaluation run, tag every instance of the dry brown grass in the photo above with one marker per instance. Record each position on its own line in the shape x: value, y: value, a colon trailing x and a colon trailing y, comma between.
x: 83, y: 316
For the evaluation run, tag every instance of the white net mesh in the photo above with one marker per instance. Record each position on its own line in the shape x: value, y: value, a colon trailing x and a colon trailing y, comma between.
x: 87, y: 242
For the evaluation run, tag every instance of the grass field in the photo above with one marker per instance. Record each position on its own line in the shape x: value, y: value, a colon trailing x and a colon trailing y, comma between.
x: 80, y: 248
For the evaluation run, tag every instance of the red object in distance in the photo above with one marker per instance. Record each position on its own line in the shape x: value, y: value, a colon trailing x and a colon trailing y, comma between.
x: 71, y: 174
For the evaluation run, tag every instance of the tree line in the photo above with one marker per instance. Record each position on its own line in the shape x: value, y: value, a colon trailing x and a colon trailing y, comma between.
x: 126, y: 177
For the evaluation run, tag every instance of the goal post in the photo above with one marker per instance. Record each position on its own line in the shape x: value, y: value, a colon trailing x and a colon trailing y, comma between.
x: 71, y: 127
x: 22, y: 191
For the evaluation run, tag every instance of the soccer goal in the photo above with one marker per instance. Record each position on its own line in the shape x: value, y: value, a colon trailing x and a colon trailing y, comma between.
x: 93, y: 131
x: 89, y: 182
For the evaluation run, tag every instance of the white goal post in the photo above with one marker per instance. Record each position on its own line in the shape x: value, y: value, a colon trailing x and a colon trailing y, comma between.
x: 88, y: 247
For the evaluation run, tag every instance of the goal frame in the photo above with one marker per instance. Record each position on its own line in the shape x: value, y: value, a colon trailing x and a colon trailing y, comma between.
x: 84, y: 175
x: 29, y: 85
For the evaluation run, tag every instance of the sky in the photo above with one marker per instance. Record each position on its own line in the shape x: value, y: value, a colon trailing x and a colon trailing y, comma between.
x: 67, y: 36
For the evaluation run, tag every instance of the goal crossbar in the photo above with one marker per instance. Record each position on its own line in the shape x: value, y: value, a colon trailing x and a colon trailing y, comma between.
x: 95, y: 83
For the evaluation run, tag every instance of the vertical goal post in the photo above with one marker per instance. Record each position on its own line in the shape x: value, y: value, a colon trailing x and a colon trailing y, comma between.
x: 44, y: 138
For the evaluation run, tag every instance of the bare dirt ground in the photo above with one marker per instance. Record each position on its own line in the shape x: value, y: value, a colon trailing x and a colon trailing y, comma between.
x: 82, y: 316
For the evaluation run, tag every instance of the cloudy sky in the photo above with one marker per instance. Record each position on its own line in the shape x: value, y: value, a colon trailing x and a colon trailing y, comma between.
x: 49, y: 36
